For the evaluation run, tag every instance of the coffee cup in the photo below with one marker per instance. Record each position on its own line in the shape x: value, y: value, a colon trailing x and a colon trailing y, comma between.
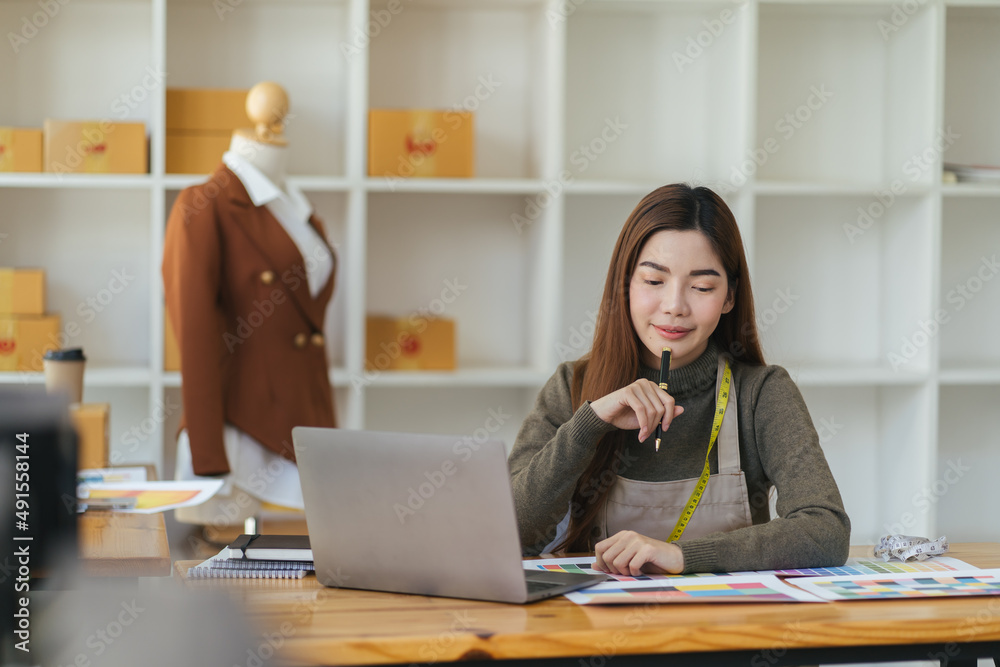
x: 64, y: 373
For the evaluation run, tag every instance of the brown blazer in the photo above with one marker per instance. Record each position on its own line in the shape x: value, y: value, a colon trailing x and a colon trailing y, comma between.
x: 250, y: 334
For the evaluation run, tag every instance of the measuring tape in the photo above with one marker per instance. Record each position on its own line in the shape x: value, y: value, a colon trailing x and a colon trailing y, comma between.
x: 699, y: 489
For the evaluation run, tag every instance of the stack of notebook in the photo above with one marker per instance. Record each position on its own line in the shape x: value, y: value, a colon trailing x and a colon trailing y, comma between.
x: 259, y: 557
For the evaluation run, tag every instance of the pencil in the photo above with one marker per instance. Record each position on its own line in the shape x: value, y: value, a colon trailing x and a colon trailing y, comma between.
x: 664, y: 376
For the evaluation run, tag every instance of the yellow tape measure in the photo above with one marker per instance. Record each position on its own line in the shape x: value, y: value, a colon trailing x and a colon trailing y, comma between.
x: 699, y: 489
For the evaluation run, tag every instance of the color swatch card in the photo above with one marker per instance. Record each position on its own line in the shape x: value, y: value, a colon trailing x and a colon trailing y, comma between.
x: 877, y: 566
x: 585, y: 565
x: 853, y: 566
x: 894, y: 587
x: 727, y: 588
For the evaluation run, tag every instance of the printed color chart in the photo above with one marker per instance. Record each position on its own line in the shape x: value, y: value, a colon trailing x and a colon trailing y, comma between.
x: 876, y: 566
x: 758, y: 588
x: 854, y: 566
x: 865, y: 587
x: 585, y: 565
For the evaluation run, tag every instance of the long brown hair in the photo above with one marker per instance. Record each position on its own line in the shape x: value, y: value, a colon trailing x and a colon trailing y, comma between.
x: 613, y: 361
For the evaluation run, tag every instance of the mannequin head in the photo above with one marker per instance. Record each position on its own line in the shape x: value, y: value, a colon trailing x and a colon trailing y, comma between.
x: 264, y: 145
x: 267, y: 106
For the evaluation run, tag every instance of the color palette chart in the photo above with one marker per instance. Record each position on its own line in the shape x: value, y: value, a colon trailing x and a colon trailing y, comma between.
x: 585, y: 565
x: 853, y: 566
x: 865, y: 587
x: 755, y: 588
x: 875, y: 566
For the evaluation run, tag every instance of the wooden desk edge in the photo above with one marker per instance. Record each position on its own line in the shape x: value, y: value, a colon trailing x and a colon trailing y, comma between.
x: 118, y: 544
x: 331, y: 634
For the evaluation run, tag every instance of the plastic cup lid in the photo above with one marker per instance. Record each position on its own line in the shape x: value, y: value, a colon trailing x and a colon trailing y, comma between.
x: 71, y: 354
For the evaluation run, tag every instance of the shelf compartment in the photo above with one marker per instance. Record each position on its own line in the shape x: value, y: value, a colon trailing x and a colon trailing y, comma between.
x: 94, y: 248
x: 67, y: 71
x: 877, y: 442
x: 136, y: 427
x: 472, y: 415
x: 256, y: 42
x: 628, y: 66
x: 970, y: 284
x: 858, y: 107
x: 490, y: 60
x: 481, y: 276
x: 829, y: 292
x: 592, y: 226
x: 963, y: 489
x: 971, y: 88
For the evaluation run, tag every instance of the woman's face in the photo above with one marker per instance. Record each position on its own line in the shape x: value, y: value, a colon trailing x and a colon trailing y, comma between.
x: 677, y: 294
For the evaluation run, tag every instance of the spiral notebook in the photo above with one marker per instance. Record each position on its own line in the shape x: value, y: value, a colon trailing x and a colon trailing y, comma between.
x: 221, y: 566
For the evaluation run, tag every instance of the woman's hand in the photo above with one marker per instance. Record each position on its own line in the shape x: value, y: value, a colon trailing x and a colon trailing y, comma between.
x: 628, y: 552
x: 640, y: 405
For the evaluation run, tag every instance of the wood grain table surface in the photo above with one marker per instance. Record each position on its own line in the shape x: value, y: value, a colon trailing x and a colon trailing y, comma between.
x: 119, y: 544
x: 320, y: 625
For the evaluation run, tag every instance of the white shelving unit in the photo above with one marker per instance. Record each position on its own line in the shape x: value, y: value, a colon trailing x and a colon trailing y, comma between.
x: 824, y: 124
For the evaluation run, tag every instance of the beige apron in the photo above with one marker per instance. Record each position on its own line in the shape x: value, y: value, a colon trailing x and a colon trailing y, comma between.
x: 652, y: 508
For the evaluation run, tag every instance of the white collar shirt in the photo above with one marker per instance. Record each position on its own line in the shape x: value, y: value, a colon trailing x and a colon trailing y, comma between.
x: 292, y: 210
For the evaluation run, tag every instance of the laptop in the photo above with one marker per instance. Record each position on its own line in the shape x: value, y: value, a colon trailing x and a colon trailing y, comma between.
x: 425, y: 514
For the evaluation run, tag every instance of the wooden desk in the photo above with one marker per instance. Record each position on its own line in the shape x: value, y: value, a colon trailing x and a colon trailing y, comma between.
x: 320, y: 626
x: 118, y: 544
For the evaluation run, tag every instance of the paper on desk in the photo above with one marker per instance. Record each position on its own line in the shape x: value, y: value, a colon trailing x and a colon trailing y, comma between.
x: 153, y: 497
x: 914, y: 586
x: 688, y: 590
x: 95, y: 475
x: 869, y: 566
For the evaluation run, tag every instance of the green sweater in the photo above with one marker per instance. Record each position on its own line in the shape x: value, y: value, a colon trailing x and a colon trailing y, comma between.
x: 778, y: 446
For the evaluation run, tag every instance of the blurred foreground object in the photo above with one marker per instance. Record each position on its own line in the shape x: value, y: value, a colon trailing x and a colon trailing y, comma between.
x: 37, y: 514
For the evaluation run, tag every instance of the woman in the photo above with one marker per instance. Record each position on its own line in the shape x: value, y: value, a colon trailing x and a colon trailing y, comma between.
x: 678, y: 278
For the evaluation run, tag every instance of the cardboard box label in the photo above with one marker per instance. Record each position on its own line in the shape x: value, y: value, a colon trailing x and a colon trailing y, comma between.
x: 421, y: 143
x: 409, y: 344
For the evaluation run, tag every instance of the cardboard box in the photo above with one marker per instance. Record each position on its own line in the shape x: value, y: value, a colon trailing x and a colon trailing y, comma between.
x: 195, y: 153
x: 24, y: 339
x: 20, y: 149
x: 91, y: 421
x: 171, y: 350
x: 200, y: 124
x: 416, y: 343
x: 22, y: 292
x: 206, y: 109
x: 95, y: 147
x: 420, y: 143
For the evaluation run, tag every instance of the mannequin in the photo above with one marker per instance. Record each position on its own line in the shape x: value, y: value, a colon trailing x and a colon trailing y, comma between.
x: 265, y: 145
x: 251, y: 269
